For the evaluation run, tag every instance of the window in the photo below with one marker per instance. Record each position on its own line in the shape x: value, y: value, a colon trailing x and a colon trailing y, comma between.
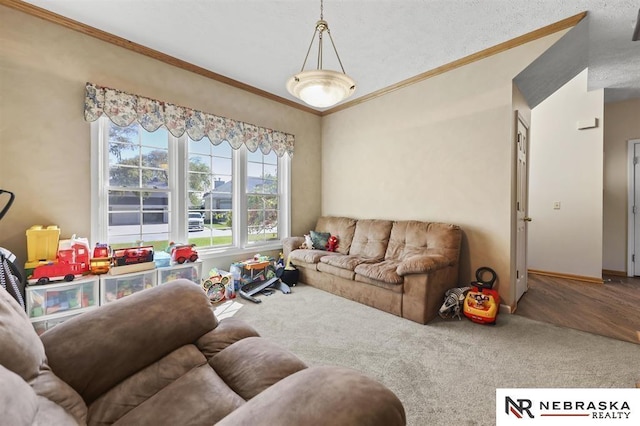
x: 152, y: 188
x: 262, y: 196
x: 210, y: 191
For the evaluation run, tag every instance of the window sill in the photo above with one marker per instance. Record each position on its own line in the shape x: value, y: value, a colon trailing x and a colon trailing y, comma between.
x: 241, y: 253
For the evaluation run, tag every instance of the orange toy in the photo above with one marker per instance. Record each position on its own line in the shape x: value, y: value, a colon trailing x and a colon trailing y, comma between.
x: 482, y: 303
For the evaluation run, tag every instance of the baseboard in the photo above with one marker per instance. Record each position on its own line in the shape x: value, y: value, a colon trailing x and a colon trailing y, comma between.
x: 593, y: 280
x: 506, y: 309
x: 614, y: 273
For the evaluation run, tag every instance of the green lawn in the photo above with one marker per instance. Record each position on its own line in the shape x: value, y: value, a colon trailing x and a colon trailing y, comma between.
x: 202, y: 241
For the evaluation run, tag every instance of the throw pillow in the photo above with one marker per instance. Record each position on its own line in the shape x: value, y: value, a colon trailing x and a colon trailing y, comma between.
x: 320, y: 239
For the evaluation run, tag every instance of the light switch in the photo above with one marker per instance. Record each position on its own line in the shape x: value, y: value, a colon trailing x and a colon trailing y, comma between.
x: 556, y: 205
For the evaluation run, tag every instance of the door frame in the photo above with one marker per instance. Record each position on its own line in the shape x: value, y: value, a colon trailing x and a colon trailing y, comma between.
x: 525, y: 196
x: 630, y: 203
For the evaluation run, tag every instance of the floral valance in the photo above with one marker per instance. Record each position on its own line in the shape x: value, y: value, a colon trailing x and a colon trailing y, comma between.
x: 124, y: 108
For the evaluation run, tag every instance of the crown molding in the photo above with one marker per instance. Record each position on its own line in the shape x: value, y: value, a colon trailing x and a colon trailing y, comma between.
x: 143, y: 50
x: 498, y: 48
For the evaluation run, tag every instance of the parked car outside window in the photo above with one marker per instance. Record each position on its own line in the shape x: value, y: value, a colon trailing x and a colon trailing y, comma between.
x: 196, y: 222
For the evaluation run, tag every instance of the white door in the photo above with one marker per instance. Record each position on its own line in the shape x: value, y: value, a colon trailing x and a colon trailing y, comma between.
x: 522, y: 149
x: 634, y: 207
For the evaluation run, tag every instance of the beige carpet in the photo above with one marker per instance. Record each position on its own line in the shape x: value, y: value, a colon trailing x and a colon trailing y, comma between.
x: 445, y: 372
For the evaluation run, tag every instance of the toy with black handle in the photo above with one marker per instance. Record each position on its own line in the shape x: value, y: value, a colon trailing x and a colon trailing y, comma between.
x: 482, y: 302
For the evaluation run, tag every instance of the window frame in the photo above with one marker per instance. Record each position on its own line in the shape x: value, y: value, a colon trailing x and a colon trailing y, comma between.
x: 178, y: 198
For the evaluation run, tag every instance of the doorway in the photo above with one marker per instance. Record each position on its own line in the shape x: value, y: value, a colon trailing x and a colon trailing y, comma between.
x: 633, y: 226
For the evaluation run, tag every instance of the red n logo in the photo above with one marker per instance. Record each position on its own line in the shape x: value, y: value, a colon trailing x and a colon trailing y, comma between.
x: 518, y: 408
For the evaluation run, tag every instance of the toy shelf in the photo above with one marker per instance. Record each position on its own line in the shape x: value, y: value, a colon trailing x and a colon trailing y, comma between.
x: 51, y: 304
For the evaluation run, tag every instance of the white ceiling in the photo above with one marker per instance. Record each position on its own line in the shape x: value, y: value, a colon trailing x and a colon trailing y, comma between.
x: 262, y: 43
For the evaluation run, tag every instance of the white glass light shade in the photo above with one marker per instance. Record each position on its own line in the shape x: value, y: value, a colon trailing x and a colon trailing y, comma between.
x: 321, y: 88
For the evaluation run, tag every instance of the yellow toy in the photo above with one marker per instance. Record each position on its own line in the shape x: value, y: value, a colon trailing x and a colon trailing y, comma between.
x: 482, y: 302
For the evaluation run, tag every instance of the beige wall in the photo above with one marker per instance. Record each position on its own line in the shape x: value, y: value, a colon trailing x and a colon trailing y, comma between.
x: 45, y: 142
x: 566, y: 165
x: 622, y: 122
x: 438, y: 150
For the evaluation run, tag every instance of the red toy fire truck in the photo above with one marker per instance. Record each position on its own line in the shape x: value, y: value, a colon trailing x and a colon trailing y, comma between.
x: 70, y: 263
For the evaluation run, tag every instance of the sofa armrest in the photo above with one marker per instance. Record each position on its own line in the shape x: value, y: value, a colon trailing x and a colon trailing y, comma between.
x: 96, y: 350
x: 422, y: 264
x: 290, y: 244
x: 321, y: 396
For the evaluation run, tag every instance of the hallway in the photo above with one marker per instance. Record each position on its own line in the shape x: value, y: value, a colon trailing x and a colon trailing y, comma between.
x: 611, y: 309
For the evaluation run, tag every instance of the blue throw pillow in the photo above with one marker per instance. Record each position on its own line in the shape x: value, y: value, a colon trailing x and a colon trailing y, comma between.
x: 320, y: 239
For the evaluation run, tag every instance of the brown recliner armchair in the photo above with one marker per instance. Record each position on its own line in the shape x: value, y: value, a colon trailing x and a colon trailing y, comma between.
x: 160, y: 357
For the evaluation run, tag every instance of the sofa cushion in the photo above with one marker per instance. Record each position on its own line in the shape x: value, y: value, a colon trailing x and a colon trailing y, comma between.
x: 309, y: 256
x: 422, y: 264
x: 410, y: 237
x: 397, y: 288
x: 345, y: 261
x: 385, y: 271
x: 199, y: 397
x: 371, y: 238
x: 253, y: 364
x: 347, y: 274
x: 135, y: 397
x: 228, y: 331
x: 20, y: 405
x: 342, y: 227
x: 21, y: 349
x: 22, y: 352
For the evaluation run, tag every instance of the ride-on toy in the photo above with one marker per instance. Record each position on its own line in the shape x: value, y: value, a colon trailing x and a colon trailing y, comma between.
x: 482, y: 302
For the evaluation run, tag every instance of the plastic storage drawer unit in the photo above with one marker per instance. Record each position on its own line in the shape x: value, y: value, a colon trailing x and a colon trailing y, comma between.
x: 118, y: 286
x: 42, y: 325
x: 190, y: 271
x: 62, y: 297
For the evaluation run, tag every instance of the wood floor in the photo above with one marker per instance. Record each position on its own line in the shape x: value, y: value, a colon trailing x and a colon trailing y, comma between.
x: 611, y: 309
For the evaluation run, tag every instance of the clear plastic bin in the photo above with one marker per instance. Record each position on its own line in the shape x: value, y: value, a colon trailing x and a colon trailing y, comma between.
x: 55, y: 298
x: 118, y: 286
x: 190, y: 271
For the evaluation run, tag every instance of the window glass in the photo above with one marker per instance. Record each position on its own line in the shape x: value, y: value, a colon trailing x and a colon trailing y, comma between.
x: 146, y: 176
x: 210, y: 193
x: 262, y: 197
x: 138, y: 187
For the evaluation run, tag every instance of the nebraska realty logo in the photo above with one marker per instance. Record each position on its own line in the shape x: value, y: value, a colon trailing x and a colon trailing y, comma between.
x: 567, y: 406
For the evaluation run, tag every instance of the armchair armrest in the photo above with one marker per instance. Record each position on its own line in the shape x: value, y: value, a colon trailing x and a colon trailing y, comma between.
x: 321, y: 396
x: 289, y: 244
x: 98, y: 349
x: 422, y: 264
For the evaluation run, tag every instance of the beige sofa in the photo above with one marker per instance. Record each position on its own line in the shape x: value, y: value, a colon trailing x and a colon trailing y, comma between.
x: 401, y: 267
x: 160, y: 357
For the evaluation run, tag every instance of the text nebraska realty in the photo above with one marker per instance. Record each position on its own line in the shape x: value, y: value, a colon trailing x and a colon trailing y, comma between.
x: 598, y: 409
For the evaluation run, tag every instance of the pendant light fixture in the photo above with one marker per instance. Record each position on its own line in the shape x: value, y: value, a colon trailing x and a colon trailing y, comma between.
x: 321, y: 88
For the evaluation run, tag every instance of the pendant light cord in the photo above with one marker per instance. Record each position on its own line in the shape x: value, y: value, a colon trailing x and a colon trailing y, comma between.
x: 321, y: 26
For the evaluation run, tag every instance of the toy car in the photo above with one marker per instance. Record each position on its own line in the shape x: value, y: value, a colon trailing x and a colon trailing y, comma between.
x: 131, y: 255
x: 180, y: 253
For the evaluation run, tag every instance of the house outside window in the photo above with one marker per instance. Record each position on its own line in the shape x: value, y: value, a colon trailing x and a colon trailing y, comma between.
x: 152, y: 188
